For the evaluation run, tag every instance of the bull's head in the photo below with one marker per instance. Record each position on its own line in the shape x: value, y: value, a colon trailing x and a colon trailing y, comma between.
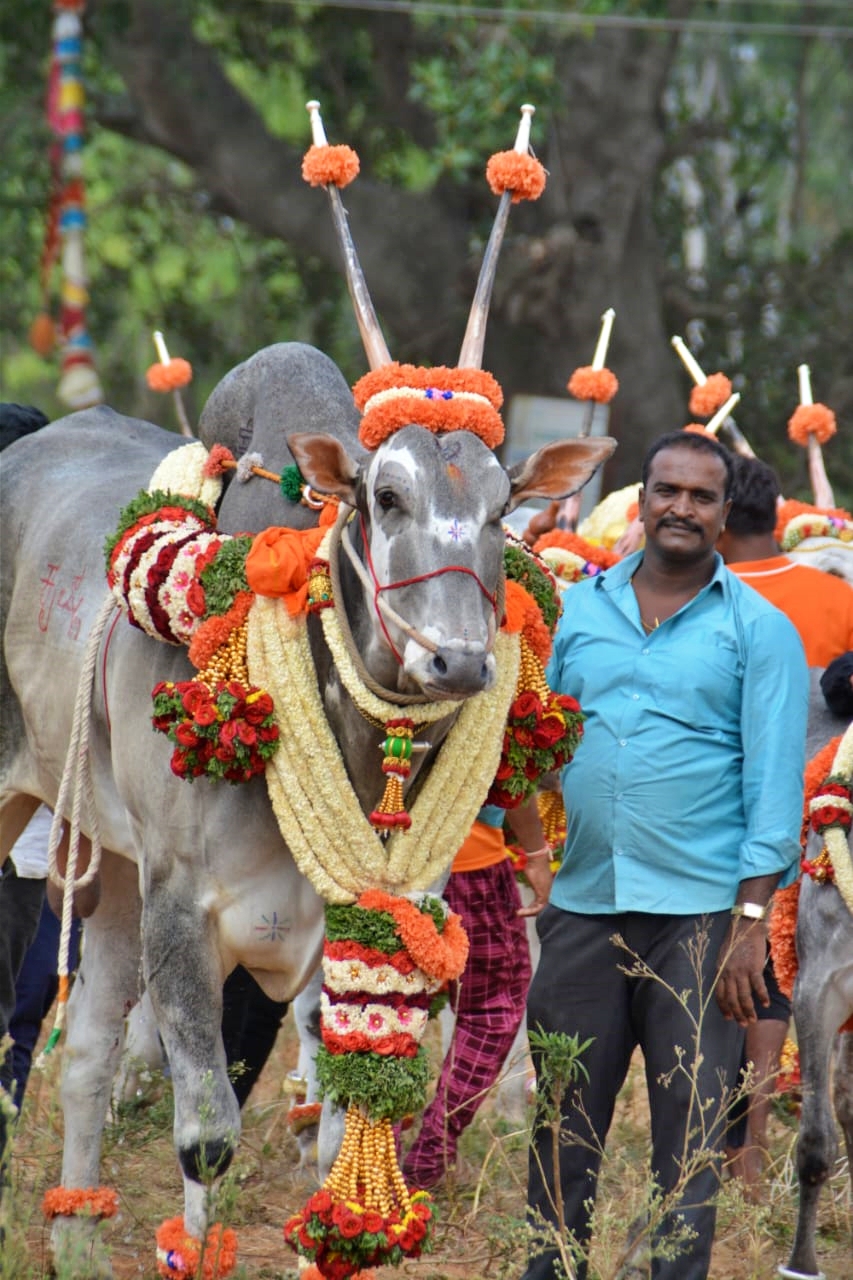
x: 428, y: 531
x: 431, y: 496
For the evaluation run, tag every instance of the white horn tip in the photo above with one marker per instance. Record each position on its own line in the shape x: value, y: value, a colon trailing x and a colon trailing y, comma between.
x: 527, y: 109
x: 313, y: 105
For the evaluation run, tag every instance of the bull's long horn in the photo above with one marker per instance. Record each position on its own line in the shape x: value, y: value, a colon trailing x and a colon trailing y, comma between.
x: 375, y: 347
x: 471, y: 355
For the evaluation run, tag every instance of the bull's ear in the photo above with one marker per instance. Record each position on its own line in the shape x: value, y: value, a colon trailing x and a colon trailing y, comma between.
x: 558, y: 469
x: 325, y: 464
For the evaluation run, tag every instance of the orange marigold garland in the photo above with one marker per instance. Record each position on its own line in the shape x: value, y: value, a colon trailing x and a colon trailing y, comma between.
x: 596, y: 558
x: 587, y: 383
x: 792, y: 508
x: 440, y: 399
x: 783, y: 918
x: 517, y: 172
x: 386, y: 959
x: 709, y: 396
x: 90, y: 1202
x: 816, y: 420
x: 179, y: 1254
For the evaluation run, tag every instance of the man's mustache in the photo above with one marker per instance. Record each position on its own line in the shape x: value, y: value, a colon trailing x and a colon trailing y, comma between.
x: 669, y: 523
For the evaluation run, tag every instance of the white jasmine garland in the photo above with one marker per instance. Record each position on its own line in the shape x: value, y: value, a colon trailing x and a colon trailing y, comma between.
x: 318, y: 812
x: 343, y: 976
x: 182, y: 471
x: 835, y: 838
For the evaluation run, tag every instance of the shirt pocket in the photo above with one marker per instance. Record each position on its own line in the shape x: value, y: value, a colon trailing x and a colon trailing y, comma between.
x: 699, y: 683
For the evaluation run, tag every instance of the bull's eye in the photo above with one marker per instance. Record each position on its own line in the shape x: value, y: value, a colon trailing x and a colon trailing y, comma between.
x: 386, y: 499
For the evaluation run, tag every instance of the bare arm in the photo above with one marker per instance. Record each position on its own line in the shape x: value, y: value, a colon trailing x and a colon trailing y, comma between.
x: 527, y: 828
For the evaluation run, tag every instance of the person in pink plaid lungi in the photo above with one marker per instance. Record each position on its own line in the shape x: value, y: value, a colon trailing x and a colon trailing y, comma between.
x: 489, y: 999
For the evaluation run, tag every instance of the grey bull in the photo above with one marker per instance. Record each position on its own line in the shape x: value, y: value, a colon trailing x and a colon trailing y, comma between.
x: 204, y: 867
x: 822, y: 1002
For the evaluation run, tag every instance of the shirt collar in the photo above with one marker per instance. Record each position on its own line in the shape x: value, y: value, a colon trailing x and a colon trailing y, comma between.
x: 621, y: 573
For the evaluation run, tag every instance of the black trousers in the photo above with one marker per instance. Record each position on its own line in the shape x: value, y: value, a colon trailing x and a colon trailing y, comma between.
x: 20, y: 908
x: 580, y: 988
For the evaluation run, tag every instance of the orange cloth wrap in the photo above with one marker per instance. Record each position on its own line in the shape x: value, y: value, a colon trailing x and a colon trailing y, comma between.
x: 483, y: 847
x: 277, y: 563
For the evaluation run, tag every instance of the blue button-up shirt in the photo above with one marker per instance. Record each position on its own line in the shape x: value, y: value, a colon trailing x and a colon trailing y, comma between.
x: 689, y: 776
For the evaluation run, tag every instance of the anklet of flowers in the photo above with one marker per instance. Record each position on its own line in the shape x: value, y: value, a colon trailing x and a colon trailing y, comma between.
x: 88, y: 1202
x: 179, y: 1254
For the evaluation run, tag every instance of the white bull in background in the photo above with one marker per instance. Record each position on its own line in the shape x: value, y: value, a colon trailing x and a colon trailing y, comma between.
x: 204, y: 867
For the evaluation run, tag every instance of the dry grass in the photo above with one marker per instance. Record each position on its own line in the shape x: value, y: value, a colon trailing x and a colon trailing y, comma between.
x: 480, y: 1233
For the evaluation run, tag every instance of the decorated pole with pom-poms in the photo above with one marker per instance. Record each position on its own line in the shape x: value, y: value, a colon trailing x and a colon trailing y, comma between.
x: 65, y: 229
x: 170, y: 374
x: 810, y: 426
x: 593, y: 383
x: 711, y: 398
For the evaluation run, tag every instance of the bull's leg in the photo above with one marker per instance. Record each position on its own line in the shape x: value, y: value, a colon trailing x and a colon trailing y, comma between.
x: 842, y: 1092
x: 184, y: 976
x: 106, y: 986
x: 819, y: 1009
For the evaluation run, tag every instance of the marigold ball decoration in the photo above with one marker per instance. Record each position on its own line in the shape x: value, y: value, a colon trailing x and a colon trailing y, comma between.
x: 326, y: 166
x: 42, y: 335
x: 599, y: 385
x: 439, y: 398
x: 816, y: 420
x: 89, y: 1202
x: 179, y: 1254
x: 517, y: 172
x: 169, y: 377
x: 709, y: 396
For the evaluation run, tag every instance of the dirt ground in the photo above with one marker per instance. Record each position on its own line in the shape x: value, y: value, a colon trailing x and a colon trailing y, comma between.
x: 479, y: 1234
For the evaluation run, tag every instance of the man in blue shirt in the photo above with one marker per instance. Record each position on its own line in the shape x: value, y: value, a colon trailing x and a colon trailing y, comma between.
x: 684, y: 807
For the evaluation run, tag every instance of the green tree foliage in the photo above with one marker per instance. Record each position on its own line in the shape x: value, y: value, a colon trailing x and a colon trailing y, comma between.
x: 754, y: 120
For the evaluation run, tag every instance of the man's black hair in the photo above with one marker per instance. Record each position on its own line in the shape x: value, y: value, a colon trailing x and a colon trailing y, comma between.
x: 755, y: 496
x: 690, y: 440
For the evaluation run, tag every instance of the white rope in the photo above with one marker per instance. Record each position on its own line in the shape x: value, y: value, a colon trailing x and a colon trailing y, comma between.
x: 77, y: 779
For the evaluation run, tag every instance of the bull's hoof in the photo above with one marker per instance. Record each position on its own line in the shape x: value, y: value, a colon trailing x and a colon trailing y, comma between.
x: 800, y: 1275
x: 203, y: 1161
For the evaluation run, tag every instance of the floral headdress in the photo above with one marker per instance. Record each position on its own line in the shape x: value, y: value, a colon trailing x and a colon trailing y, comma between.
x: 393, y: 395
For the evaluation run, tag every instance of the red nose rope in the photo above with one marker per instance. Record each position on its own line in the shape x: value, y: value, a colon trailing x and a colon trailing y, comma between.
x: 378, y: 588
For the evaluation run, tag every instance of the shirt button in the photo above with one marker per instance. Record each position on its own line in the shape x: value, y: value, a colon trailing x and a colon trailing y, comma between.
x: 635, y: 697
x: 623, y: 742
x: 644, y: 651
x: 618, y: 853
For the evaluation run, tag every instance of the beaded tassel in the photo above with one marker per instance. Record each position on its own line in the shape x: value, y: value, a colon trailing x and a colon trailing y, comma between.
x: 396, y: 765
x: 229, y: 660
x: 531, y: 673
x: 366, y: 1169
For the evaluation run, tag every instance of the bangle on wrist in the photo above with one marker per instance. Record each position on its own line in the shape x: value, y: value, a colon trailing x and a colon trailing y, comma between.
x: 545, y: 852
x: 750, y: 910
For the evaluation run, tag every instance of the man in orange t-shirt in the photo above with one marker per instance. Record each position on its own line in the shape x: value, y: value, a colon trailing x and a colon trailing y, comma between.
x: 819, y: 604
x: 821, y: 608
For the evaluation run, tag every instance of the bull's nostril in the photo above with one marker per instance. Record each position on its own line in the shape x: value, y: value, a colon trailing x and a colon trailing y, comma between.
x: 484, y: 673
x: 440, y: 665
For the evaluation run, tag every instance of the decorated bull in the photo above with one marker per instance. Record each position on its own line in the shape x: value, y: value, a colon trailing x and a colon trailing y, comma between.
x: 371, y: 689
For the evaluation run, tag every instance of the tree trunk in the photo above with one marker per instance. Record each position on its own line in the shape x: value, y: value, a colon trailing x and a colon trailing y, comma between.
x: 588, y: 244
